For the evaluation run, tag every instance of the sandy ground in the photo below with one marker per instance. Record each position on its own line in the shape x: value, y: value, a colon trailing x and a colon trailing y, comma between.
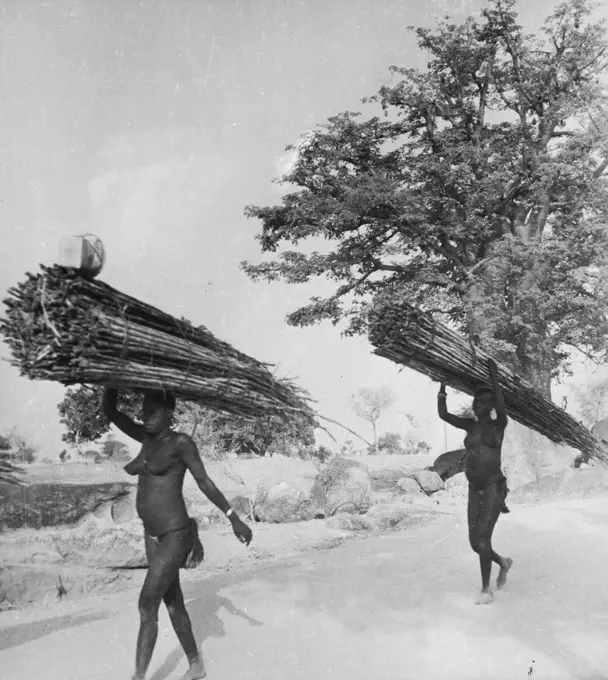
x: 394, y: 606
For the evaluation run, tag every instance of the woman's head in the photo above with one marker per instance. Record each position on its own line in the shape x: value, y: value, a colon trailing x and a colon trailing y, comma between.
x: 157, y: 411
x: 483, y: 401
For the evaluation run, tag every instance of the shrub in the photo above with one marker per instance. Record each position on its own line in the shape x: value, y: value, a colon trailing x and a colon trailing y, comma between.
x: 390, y: 443
x: 112, y: 449
x: 320, y: 453
x: 21, y: 450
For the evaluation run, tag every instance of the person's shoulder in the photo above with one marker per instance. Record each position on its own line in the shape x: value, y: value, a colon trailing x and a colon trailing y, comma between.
x: 182, y: 438
x: 183, y: 441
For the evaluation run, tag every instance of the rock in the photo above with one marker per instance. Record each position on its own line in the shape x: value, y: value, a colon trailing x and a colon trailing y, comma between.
x: 409, y: 485
x: 46, y: 505
x: 283, y: 503
x: 387, y: 516
x: 117, y: 547
x: 242, y: 506
x: 528, y: 456
x: 429, y: 481
x: 346, y: 521
x: 343, y: 486
x: 581, y: 483
x: 386, y: 480
x: 458, y: 486
x: 441, y: 496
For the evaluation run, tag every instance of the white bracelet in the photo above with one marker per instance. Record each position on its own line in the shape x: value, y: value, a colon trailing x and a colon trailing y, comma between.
x: 229, y: 512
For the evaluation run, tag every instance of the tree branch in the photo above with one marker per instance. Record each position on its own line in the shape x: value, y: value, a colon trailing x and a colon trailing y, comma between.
x: 599, y: 171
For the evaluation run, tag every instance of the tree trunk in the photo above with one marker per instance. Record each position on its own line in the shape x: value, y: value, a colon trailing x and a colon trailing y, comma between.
x: 376, y: 449
x: 491, y: 305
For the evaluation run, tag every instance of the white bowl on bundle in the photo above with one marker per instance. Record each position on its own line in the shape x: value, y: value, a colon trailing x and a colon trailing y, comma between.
x: 84, y: 253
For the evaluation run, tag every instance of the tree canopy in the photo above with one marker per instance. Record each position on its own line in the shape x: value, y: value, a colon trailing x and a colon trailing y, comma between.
x: 477, y: 192
x: 80, y: 412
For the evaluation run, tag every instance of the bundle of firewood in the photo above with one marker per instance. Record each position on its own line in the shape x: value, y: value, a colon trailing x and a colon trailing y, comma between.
x: 68, y: 328
x: 8, y: 469
x: 412, y: 338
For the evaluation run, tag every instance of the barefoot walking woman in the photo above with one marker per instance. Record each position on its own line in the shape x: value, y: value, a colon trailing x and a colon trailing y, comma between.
x: 487, y: 484
x: 168, y: 531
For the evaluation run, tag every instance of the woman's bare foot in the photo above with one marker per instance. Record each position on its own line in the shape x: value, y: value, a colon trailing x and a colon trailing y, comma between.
x: 502, y: 574
x: 485, y: 597
x: 196, y: 671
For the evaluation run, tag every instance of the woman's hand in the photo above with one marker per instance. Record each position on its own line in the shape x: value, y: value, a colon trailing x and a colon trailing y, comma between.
x: 442, y: 392
x: 241, y: 530
x: 493, y: 369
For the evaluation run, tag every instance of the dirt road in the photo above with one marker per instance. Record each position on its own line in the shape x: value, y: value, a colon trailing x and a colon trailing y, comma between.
x: 398, y: 606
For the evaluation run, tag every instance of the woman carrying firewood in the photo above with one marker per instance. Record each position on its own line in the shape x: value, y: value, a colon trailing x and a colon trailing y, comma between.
x: 170, y: 535
x: 487, y: 484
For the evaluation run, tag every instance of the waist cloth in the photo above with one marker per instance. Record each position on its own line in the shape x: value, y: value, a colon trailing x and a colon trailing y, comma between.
x: 494, y: 481
x: 196, y: 553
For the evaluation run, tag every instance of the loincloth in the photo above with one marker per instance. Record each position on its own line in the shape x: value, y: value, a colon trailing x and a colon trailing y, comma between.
x: 196, y: 553
x: 485, y: 484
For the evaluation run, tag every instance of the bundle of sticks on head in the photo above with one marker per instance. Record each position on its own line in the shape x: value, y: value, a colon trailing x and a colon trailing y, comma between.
x: 64, y: 327
x: 411, y: 337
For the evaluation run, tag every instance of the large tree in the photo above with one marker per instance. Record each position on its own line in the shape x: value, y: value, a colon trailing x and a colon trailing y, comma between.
x: 480, y: 194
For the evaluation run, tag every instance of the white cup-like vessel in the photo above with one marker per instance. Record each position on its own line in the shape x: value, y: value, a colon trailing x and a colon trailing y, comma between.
x: 84, y: 253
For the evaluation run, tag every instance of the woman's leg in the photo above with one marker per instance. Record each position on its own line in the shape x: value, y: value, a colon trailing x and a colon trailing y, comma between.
x: 473, y: 509
x: 164, y: 559
x: 174, y: 601
x: 492, y: 503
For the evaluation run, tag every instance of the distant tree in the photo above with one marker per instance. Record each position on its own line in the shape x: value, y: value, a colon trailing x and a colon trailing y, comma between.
x: 592, y: 400
x: 80, y: 412
x: 64, y: 456
x: 115, y: 450
x: 478, y: 192
x: 265, y: 436
x: 390, y: 443
x: 5, y: 443
x: 348, y: 449
x: 369, y: 404
x: 321, y: 454
x: 21, y: 450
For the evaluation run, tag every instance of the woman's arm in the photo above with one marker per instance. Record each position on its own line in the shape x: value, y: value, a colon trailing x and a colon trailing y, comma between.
x: 501, y: 413
x: 442, y: 409
x: 121, y: 420
x: 192, y: 459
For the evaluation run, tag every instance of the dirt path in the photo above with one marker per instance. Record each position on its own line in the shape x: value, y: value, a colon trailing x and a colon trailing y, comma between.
x: 398, y: 606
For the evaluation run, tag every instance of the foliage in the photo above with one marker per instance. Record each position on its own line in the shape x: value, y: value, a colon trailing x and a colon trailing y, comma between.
x: 266, y: 436
x: 64, y: 456
x: 481, y: 195
x: 370, y: 404
x: 22, y: 451
x: 390, y: 443
x: 592, y: 400
x: 214, y: 433
x: 115, y: 450
x: 5, y: 442
x: 80, y: 412
x: 321, y: 454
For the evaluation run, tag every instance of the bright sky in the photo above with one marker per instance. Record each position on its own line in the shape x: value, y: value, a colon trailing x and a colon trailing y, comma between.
x: 153, y: 124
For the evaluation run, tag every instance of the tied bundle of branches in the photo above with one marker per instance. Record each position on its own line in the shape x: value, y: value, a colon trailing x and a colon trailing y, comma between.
x: 63, y: 327
x: 8, y: 470
x: 411, y: 337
